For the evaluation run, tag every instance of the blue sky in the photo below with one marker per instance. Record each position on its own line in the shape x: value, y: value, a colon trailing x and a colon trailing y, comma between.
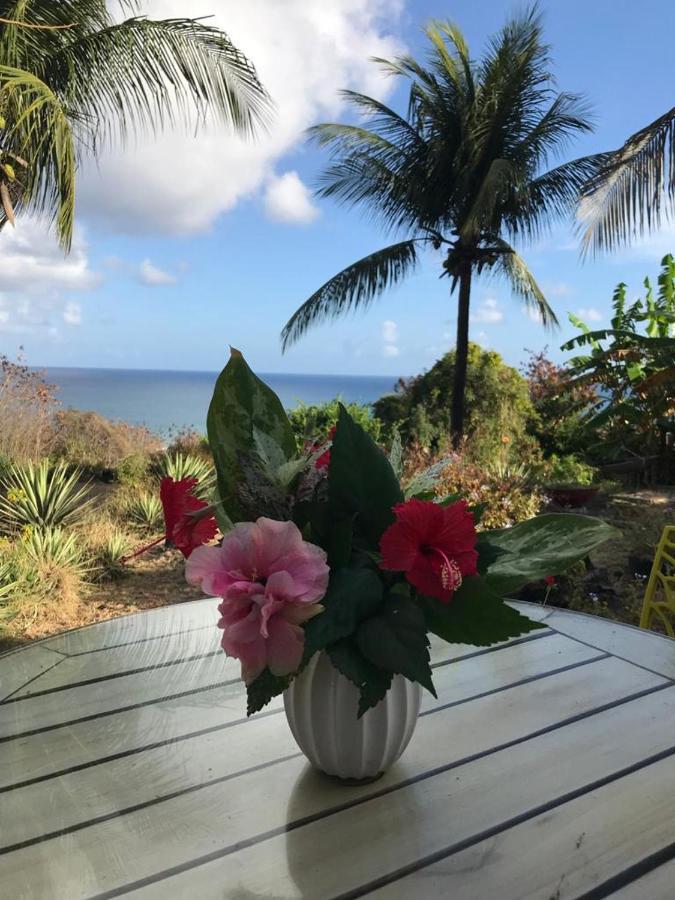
x: 185, y: 245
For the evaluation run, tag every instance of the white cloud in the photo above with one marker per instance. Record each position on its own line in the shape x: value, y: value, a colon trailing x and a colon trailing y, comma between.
x: 72, y: 313
x: 590, y: 314
x: 557, y: 289
x: 32, y: 262
x: 149, y: 273
x: 488, y: 313
x: 390, y: 338
x: 287, y: 199
x: 305, y: 52
x: 652, y: 246
x: 389, y: 331
x: 36, y: 279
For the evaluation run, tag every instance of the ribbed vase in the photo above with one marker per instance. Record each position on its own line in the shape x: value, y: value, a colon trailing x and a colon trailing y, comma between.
x: 321, y: 708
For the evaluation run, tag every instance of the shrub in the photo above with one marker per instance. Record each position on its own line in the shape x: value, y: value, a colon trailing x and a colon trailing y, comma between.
x: 144, y: 510
x: 561, y: 406
x: 133, y: 470
x: 41, y: 496
x: 312, y: 422
x: 98, y: 445
x: 568, y: 470
x: 498, y: 407
x: 189, y: 441
x: 27, y: 406
x: 504, y: 489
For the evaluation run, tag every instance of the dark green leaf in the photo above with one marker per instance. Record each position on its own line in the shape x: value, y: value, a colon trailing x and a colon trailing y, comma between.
x: 242, y: 410
x: 475, y: 615
x: 361, y: 481
x: 260, y: 692
x: 487, y: 553
x: 396, y: 640
x: 545, y: 545
x: 354, y: 593
x: 340, y: 543
x: 372, y: 682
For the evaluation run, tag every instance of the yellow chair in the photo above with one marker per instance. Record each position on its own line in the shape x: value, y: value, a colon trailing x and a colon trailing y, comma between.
x: 659, y: 599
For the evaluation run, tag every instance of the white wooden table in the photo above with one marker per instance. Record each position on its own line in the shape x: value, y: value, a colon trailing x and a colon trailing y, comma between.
x: 545, y: 769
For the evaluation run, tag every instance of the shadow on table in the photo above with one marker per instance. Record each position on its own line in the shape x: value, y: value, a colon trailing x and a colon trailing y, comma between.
x: 338, y: 849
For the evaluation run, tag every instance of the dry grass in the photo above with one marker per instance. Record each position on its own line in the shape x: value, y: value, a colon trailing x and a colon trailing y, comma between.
x: 152, y: 580
x: 97, y: 444
x: 27, y: 408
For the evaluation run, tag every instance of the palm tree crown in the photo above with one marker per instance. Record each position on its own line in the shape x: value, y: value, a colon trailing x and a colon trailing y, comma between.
x: 463, y: 171
x: 73, y: 78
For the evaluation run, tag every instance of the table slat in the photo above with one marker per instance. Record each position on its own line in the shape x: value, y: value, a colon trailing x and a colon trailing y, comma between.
x: 140, y: 844
x: 125, y: 782
x: 343, y: 855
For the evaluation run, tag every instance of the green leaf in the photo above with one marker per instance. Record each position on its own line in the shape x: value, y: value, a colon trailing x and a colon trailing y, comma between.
x: 487, y: 553
x: 260, y: 692
x: 372, y: 682
x: 396, y: 641
x: 354, y: 593
x: 244, y: 417
x: 361, y: 481
x: 339, y: 546
x: 475, y: 615
x: 545, y: 545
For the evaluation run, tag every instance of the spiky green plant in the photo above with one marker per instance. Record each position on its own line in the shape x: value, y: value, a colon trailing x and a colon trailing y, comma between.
x: 73, y: 78
x: 463, y: 172
x: 112, y: 552
x: 53, y: 547
x: 145, y: 511
x: 39, y: 495
x: 185, y: 465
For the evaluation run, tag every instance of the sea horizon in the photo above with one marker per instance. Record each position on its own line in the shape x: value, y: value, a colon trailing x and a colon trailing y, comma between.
x: 169, y: 400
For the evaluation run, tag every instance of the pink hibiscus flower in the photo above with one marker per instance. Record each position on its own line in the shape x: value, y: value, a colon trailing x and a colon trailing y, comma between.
x: 270, y: 581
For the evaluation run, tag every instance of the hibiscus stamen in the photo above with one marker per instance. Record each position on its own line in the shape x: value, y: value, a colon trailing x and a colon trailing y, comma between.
x: 451, y: 574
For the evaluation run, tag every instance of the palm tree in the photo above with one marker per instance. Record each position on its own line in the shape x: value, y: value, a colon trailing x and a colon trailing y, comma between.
x: 73, y: 79
x: 631, y: 192
x: 461, y: 172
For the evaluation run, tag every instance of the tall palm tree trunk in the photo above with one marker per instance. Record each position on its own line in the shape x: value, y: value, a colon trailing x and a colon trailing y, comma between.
x: 461, y: 357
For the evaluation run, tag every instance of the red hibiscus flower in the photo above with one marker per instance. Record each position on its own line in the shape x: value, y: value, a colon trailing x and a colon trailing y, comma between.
x: 184, y: 527
x: 435, y: 546
x: 324, y: 460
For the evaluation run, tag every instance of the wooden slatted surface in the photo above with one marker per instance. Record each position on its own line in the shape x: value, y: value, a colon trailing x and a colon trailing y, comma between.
x: 545, y: 769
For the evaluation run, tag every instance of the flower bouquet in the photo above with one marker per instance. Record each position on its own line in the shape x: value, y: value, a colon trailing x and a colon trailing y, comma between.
x: 329, y: 563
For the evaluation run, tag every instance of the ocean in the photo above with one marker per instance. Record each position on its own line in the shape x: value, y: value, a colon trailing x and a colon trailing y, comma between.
x: 166, y: 401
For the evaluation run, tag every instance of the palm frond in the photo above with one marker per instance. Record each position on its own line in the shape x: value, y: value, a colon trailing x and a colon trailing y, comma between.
x: 353, y: 288
x: 524, y: 285
x: 145, y: 74
x: 40, y: 131
x: 550, y: 197
x: 625, y: 199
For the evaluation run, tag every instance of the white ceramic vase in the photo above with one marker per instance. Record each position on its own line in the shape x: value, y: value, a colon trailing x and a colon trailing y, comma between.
x: 321, y: 708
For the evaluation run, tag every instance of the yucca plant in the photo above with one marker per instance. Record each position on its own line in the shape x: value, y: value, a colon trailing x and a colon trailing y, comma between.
x: 145, y: 511
x: 112, y: 553
x: 45, y: 575
x: 179, y: 466
x: 53, y: 548
x: 42, y: 496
